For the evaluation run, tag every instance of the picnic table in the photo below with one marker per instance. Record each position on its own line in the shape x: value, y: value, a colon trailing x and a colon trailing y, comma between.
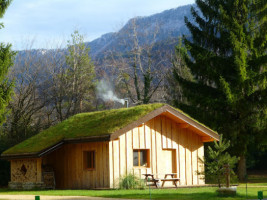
x: 171, y: 178
x: 168, y: 177
x: 152, y: 179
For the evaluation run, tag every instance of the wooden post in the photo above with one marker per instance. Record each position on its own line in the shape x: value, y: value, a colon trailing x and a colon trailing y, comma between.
x: 39, y: 170
x: 227, y: 175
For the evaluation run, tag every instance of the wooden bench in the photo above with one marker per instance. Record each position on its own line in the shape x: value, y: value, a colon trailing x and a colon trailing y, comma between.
x: 152, y: 179
x: 155, y: 181
x: 174, y: 180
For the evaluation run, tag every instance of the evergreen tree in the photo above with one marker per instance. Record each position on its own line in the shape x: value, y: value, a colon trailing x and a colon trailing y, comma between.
x: 6, y: 61
x: 6, y: 88
x: 219, y: 161
x: 227, y: 57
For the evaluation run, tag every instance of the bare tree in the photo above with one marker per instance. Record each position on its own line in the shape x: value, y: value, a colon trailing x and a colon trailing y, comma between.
x: 55, y: 62
x: 141, y: 70
x: 72, y: 78
x: 50, y: 86
x: 26, y: 115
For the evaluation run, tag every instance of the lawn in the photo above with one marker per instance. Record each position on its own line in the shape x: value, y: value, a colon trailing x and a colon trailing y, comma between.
x: 256, y: 180
x: 202, y: 193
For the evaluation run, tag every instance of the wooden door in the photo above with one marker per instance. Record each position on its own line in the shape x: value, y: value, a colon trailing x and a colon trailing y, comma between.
x: 168, y: 162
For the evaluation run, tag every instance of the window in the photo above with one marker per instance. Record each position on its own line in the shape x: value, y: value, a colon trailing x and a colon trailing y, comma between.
x: 89, y: 160
x: 141, y: 158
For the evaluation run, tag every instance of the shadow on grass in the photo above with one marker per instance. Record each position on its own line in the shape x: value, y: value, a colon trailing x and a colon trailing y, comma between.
x: 180, y: 193
x: 200, y: 196
x: 157, y: 194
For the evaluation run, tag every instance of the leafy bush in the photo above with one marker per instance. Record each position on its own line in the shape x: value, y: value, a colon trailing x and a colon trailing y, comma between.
x: 130, y: 181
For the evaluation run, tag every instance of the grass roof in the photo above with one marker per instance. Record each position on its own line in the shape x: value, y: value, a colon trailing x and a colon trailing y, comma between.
x: 83, y: 125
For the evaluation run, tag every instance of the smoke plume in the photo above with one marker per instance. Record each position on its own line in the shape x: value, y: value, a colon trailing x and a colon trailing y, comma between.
x: 106, y: 93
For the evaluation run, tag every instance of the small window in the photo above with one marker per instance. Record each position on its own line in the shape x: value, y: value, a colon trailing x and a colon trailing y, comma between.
x: 141, y: 158
x: 89, y: 160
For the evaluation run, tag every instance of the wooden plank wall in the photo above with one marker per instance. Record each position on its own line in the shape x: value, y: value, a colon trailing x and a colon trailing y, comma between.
x: 172, y: 150
x: 67, y: 163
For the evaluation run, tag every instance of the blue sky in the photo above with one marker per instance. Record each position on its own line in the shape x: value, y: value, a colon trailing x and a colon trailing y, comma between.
x: 46, y: 23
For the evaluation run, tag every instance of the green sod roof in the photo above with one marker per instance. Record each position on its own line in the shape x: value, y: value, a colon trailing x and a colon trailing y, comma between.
x: 86, y: 125
x: 82, y: 125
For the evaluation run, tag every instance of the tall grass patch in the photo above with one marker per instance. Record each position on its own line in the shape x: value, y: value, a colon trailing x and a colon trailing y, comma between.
x: 130, y: 181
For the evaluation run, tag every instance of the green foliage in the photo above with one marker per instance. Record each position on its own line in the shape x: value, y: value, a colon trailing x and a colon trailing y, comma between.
x: 81, y: 69
x: 227, y: 59
x: 130, y: 181
x: 74, y: 85
x: 6, y: 89
x: 216, y: 161
x: 180, y: 69
x: 6, y: 61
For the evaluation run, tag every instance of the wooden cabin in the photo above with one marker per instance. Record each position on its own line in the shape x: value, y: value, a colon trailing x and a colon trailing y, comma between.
x: 93, y: 150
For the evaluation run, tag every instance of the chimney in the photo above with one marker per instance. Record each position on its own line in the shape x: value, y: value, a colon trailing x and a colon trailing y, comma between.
x: 126, y: 102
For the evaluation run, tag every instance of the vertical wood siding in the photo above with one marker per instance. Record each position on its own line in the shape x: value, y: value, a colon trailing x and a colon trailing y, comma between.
x: 172, y: 149
x: 68, y: 166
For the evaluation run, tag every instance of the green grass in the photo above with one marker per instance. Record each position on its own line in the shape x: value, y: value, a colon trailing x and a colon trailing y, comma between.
x: 256, y: 180
x: 83, y: 125
x: 202, y: 193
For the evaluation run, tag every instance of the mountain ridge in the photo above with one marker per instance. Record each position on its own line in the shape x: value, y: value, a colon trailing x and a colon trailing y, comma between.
x: 170, y: 25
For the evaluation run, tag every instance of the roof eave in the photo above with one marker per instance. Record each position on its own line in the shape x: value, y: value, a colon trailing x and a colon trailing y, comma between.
x: 166, y: 108
x: 56, y: 146
x: 195, y: 124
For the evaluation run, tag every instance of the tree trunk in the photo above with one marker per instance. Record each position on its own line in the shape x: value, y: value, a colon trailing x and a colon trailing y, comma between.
x: 242, y: 168
x: 227, y: 175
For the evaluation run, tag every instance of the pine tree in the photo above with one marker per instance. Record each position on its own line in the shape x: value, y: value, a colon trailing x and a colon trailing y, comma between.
x: 218, y: 162
x: 6, y: 88
x: 227, y: 57
x: 6, y: 61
